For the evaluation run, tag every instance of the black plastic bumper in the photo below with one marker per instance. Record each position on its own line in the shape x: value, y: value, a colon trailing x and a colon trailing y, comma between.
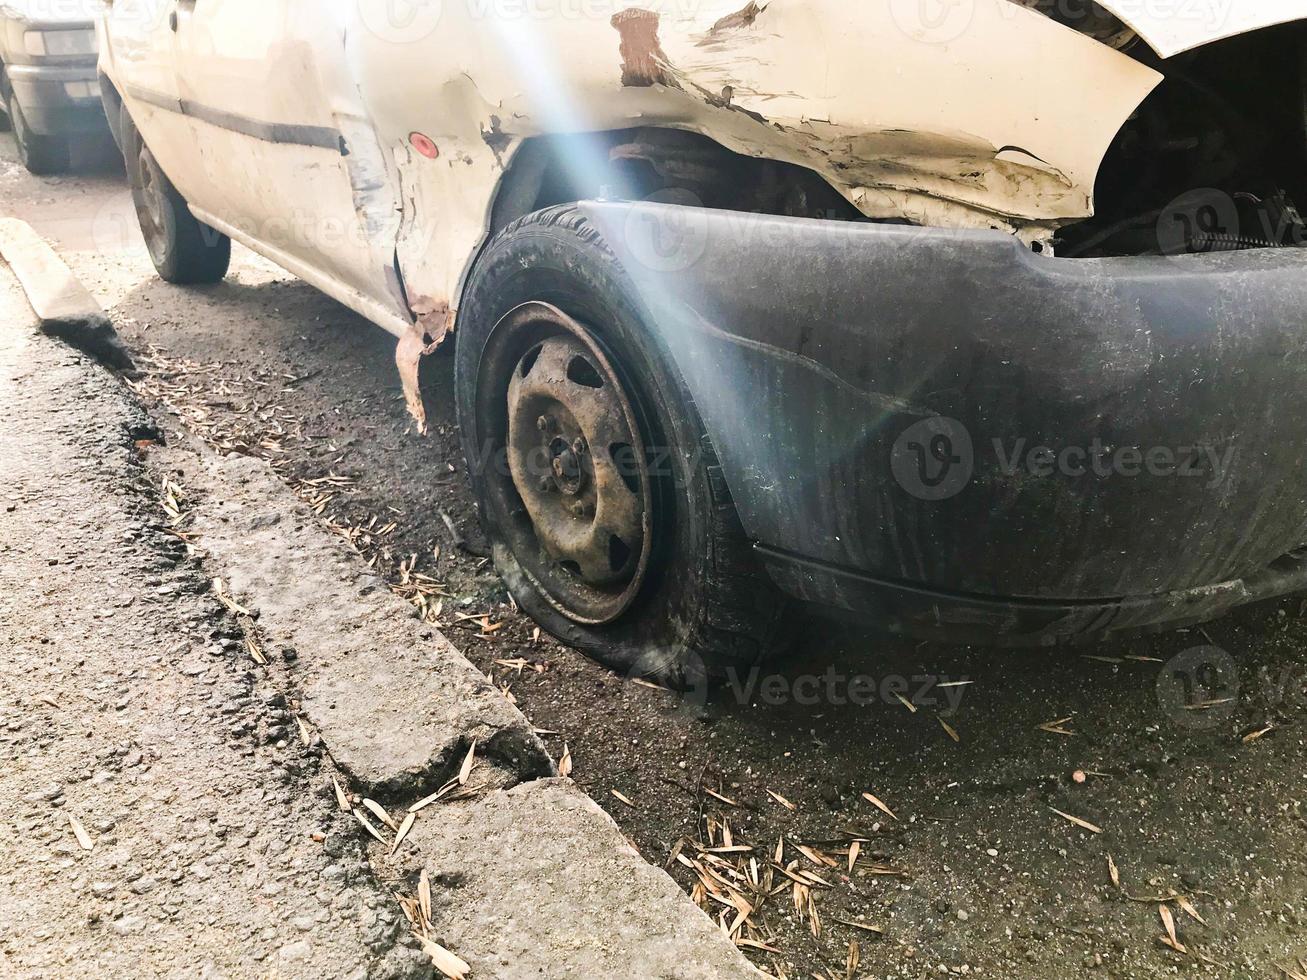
x: 48, y: 107
x: 970, y: 441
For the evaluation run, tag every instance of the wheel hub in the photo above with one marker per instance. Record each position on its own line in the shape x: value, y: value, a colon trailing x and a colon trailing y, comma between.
x: 576, y: 463
x: 151, y: 201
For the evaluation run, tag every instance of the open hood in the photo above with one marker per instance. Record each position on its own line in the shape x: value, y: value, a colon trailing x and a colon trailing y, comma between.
x: 1176, y: 26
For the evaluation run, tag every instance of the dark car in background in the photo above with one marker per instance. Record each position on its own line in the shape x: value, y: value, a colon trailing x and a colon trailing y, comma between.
x: 48, y: 80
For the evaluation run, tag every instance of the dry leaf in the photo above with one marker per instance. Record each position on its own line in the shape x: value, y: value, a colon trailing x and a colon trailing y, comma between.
x: 1078, y: 822
x: 1055, y: 727
x: 231, y: 604
x: 565, y: 762
x: 404, y: 828
x: 255, y: 651
x: 906, y: 703
x: 428, y: 800
x: 1168, y: 923
x: 854, y: 850
x: 782, y: 800
x: 424, y: 895
x: 466, y: 769
x: 445, y: 961
x: 718, y: 796
x: 861, y: 925
x: 1254, y: 736
x: 816, y: 857
x: 754, y: 944
x: 380, y: 813
x: 622, y: 798
x: 1112, y: 872
x: 879, y: 805
x: 342, y: 800
x: 367, y: 825
x: 83, y: 838
x: 1188, y: 907
x: 952, y: 732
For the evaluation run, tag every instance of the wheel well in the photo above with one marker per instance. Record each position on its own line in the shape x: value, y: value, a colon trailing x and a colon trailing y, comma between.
x: 113, y: 106
x: 636, y: 164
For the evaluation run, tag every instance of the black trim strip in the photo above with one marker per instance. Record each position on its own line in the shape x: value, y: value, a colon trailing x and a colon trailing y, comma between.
x: 323, y: 137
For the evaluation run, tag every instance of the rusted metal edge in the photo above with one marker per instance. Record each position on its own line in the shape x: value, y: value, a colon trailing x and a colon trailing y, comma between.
x: 435, y: 322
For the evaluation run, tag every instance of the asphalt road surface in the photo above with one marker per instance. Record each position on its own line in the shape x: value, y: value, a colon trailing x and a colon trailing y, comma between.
x: 1177, y: 762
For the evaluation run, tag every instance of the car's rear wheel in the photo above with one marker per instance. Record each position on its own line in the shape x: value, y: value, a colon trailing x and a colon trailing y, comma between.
x: 41, y: 155
x: 183, y: 249
x: 599, y: 489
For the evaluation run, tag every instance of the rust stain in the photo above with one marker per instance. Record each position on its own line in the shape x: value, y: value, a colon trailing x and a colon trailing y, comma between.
x: 643, y: 59
x: 435, y: 322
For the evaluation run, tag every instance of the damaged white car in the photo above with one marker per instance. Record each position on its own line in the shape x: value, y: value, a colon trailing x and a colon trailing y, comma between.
x: 757, y: 306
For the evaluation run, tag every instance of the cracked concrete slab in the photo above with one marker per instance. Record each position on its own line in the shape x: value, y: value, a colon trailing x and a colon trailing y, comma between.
x: 390, y: 696
x: 577, y: 889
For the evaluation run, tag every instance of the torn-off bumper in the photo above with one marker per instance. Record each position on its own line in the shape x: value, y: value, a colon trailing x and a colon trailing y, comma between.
x: 973, y: 442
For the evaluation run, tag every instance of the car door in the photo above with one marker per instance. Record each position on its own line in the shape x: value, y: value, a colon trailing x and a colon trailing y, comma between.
x: 289, y: 159
x: 136, y: 36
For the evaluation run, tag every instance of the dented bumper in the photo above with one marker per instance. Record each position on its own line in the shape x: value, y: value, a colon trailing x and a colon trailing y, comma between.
x: 973, y: 442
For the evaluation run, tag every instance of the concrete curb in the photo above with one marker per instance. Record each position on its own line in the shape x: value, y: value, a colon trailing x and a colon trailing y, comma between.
x: 533, y: 880
x: 64, y: 307
x: 393, y: 700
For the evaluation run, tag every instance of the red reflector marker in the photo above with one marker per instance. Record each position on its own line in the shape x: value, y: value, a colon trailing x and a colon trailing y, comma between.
x: 424, y: 145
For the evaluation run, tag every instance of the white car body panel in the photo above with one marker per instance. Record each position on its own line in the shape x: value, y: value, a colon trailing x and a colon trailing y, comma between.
x: 999, y: 120
x: 1017, y: 148
x: 1170, y: 27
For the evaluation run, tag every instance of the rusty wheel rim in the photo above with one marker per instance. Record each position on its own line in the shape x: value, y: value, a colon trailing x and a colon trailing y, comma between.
x: 151, y: 204
x: 576, y: 462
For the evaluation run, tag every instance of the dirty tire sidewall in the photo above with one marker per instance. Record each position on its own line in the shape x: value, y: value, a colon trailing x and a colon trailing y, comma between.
x: 43, y: 156
x: 555, y: 257
x: 186, y: 251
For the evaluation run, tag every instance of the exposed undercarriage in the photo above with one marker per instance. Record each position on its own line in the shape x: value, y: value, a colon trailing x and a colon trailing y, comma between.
x: 1208, y: 162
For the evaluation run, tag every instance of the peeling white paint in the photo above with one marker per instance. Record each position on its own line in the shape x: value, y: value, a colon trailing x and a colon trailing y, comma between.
x: 1002, y: 126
